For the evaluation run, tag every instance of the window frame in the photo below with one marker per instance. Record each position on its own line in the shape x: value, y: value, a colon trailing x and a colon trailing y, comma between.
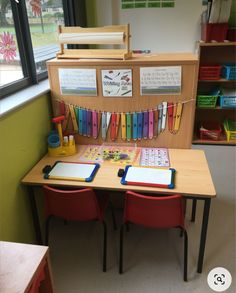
x: 23, y: 36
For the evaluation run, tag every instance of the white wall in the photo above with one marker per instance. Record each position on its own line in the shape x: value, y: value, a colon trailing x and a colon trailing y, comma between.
x: 158, y: 29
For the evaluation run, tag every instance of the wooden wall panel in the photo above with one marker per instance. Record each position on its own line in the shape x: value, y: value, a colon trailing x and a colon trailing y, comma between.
x: 189, y: 64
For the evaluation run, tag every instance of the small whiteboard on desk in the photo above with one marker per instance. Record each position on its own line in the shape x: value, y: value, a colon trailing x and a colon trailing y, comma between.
x: 149, y: 177
x: 72, y: 171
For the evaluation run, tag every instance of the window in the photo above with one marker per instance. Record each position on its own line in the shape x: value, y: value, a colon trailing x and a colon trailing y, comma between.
x: 28, y: 38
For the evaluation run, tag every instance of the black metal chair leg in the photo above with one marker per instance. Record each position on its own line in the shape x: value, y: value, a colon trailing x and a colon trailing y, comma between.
x: 104, y: 246
x: 185, y: 256
x: 121, y: 249
x: 47, y: 229
x: 194, y: 206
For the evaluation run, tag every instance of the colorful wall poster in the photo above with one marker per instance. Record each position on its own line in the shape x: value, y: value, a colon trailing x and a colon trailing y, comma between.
x: 81, y: 82
x: 160, y: 80
x: 117, y: 83
x: 129, y: 4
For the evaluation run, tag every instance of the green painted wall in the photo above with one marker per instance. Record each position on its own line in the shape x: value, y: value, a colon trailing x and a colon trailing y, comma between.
x: 23, y: 135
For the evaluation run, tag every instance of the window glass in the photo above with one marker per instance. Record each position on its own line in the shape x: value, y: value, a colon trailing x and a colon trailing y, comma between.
x: 10, y: 63
x: 44, y: 16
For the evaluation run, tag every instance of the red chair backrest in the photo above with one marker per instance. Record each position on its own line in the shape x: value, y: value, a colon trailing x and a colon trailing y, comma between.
x: 154, y: 212
x: 74, y: 205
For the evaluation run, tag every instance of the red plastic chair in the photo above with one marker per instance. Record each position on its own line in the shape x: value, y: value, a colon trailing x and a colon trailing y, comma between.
x: 76, y: 205
x: 154, y: 212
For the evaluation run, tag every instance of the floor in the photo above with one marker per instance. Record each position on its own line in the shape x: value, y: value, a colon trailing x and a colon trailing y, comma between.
x: 153, y: 258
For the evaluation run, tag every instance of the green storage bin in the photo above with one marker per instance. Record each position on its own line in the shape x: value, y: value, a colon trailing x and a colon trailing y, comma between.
x: 206, y: 101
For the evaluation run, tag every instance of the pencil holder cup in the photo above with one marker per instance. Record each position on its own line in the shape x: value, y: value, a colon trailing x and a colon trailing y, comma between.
x: 56, y: 149
x: 53, y: 140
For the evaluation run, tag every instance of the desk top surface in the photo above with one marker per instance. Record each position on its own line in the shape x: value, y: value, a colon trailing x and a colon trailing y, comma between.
x: 18, y: 264
x: 192, y: 174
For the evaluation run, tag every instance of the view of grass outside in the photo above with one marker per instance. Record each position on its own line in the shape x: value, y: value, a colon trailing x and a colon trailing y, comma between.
x: 37, y: 36
x: 44, y: 16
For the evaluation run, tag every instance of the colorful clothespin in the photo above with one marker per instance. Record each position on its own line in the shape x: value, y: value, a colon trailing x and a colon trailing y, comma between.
x: 104, y: 125
x: 80, y: 121
x: 178, y: 117
x: 155, y: 127
x: 84, y: 122
x: 159, y: 118
x: 163, y: 120
x: 65, y: 122
x: 150, y: 124
x: 73, y: 118
x: 94, y: 124
x: 145, y: 125
x: 135, y: 125
x: 174, y: 115
x: 123, y: 126
x: 128, y: 126
x: 117, y: 123
x: 170, y: 109
x: 99, y: 114
x: 140, y: 125
x: 113, y: 126
x: 89, y: 123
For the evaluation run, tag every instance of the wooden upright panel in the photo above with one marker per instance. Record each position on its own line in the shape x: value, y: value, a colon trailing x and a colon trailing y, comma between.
x: 138, y: 102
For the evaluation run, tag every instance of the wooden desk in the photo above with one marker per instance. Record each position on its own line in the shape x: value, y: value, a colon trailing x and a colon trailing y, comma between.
x: 193, y: 180
x: 20, y: 265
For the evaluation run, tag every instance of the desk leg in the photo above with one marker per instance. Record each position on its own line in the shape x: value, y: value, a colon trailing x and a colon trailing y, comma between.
x: 35, y: 215
x: 205, y: 217
x: 194, y: 206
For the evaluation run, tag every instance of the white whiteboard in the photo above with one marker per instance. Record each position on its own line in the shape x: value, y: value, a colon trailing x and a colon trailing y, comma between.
x: 149, y: 176
x: 72, y: 171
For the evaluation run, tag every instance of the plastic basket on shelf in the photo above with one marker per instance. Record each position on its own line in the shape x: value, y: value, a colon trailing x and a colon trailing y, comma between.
x: 206, y: 101
x: 210, y: 130
x: 229, y: 71
x: 228, y: 101
x: 209, y: 72
x: 230, y: 129
x: 214, y: 32
x: 227, y: 98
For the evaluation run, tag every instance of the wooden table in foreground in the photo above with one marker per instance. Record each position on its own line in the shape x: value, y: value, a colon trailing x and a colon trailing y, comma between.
x: 20, y: 265
x: 193, y: 180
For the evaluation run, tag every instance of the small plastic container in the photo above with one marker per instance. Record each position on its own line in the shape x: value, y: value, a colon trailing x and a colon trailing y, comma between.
x: 228, y: 101
x: 230, y: 129
x: 206, y: 101
x: 214, y: 32
x: 229, y: 71
x: 209, y: 72
x: 53, y: 140
x: 210, y: 130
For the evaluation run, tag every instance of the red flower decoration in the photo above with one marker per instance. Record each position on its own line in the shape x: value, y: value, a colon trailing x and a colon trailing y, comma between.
x: 7, y: 46
x: 36, y: 7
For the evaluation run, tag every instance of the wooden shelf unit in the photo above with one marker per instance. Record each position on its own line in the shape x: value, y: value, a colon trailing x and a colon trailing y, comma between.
x: 214, y: 53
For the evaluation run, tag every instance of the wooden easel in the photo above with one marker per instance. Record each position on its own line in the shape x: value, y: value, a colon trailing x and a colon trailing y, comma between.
x: 108, y: 35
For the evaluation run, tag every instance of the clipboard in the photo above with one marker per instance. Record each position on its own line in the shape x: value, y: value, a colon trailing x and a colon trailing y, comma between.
x: 74, y: 171
x: 153, y: 177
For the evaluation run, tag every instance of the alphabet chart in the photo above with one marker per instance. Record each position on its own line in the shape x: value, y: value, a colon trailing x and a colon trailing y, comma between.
x: 160, y: 80
x: 154, y: 157
x: 81, y: 82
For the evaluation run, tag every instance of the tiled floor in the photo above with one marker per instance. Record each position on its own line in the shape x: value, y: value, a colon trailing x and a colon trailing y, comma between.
x: 153, y: 258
